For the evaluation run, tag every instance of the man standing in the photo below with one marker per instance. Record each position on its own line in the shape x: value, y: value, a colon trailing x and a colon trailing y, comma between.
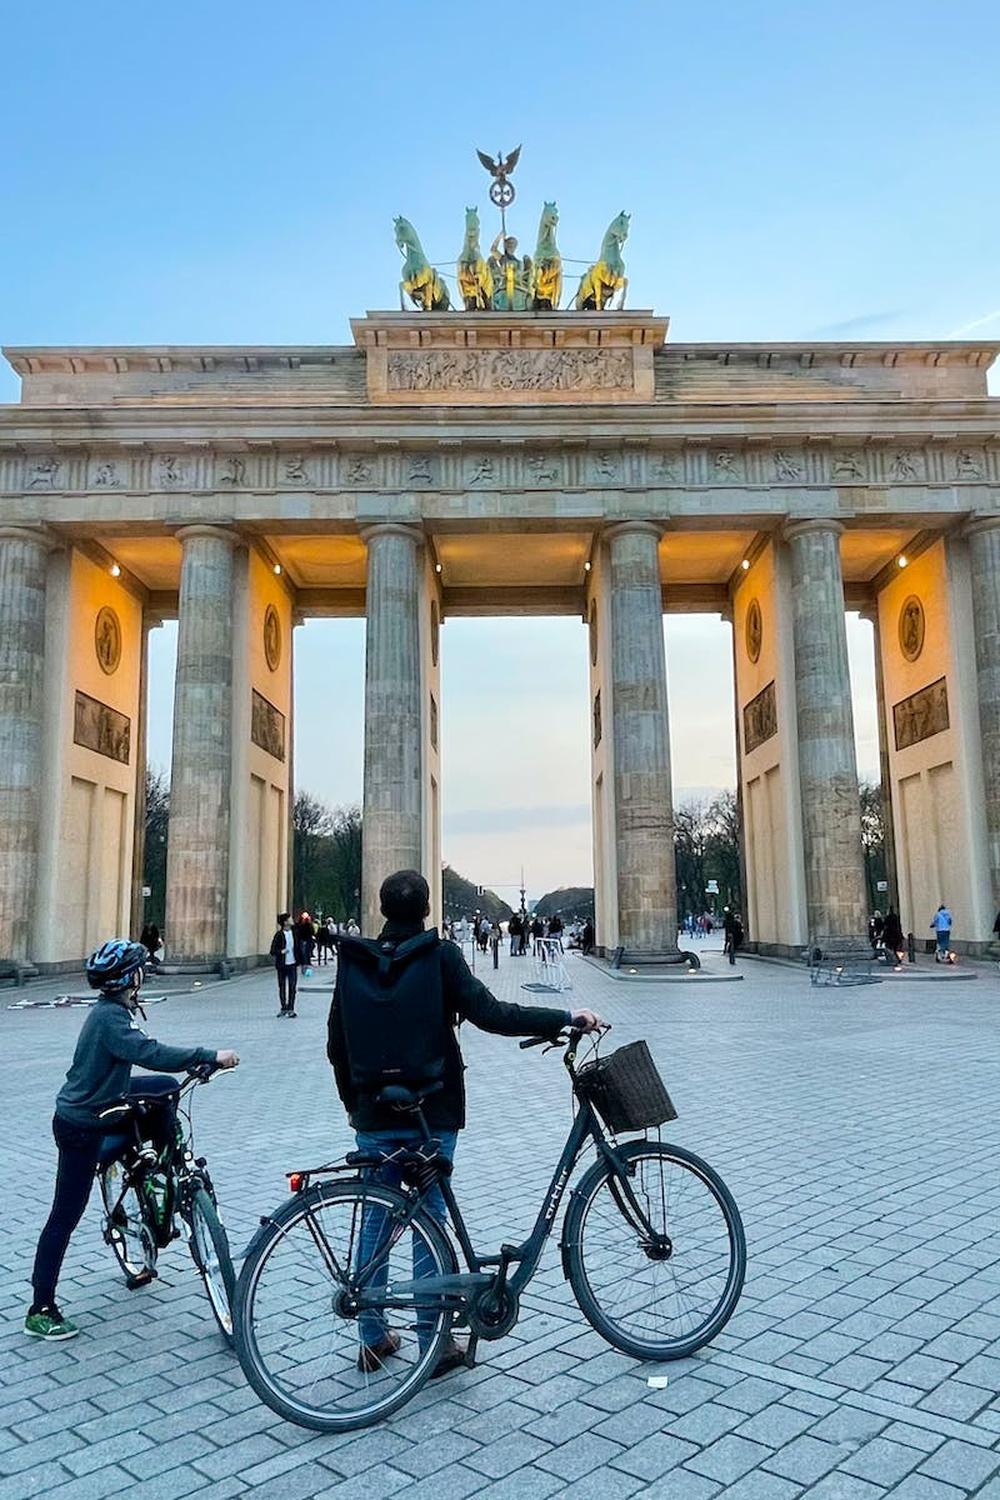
x: 941, y: 925
x: 283, y: 953
x: 396, y: 1004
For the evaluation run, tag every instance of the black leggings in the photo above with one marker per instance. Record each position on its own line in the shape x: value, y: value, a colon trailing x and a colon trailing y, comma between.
x: 288, y: 978
x: 79, y: 1150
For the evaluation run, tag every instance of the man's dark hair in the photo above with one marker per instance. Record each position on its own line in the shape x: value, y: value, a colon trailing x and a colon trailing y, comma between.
x: 282, y: 918
x: 405, y: 897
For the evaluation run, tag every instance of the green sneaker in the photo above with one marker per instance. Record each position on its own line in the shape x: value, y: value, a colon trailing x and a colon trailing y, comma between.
x: 49, y: 1324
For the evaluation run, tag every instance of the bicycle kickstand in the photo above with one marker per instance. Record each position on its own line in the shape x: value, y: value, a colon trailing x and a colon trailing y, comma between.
x: 470, y: 1353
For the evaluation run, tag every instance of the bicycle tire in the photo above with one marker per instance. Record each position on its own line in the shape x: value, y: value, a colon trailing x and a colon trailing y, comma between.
x: 209, y: 1246
x: 277, y: 1228
x: 575, y: 1255
x: 126, y: 1225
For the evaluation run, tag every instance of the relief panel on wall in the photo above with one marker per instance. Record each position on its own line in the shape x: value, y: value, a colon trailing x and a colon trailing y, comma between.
x: 98, y: 727
x: 921, y: 715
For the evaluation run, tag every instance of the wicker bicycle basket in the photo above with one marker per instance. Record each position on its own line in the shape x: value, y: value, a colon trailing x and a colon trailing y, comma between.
x: 626, y: 1089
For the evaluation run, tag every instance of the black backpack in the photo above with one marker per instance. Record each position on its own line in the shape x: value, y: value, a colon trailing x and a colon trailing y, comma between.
x: 392, y: 1011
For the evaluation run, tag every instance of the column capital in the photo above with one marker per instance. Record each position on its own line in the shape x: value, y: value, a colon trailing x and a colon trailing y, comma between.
x: 391, y: 528
x: 221, y: 533
x: 639, y: 527
x: 39, y: 534
x: 977, y: 524
x: 793, y: 529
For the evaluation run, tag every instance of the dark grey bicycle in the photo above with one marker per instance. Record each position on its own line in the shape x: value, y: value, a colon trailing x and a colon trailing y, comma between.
x: 652, y: 1245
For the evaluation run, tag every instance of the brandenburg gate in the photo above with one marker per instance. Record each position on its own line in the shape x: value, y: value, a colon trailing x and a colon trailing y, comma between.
x: 242, y: 490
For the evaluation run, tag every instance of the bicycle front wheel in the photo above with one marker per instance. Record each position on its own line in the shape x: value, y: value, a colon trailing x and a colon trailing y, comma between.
x: 125, y: 1226
x: 329, y: 1323
x: 664, y: 1294
x: 210, y: 1252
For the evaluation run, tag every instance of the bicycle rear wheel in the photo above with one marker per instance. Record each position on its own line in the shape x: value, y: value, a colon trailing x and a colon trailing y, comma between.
x: 125, y: 1227
x: 659, y: 1296
x: 304, y: 1344
x: 209, y: 1246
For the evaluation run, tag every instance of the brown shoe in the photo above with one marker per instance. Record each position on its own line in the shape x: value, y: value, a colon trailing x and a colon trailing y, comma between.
x: 373, y: 1356
x: 452, y: 1357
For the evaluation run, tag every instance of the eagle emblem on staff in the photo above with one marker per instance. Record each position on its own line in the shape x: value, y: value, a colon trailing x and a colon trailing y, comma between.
x: 501, y: 188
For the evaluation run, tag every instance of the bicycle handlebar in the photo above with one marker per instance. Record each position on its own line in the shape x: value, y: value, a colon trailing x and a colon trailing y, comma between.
x: 571, y: 1035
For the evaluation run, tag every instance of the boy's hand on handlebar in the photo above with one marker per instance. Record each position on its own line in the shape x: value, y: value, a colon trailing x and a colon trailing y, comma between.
x: 588, y: 1020
x: 227, y: 1058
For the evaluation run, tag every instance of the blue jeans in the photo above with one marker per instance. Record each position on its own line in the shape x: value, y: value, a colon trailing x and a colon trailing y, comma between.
x: 375, y: 1227
x: 943, y: 940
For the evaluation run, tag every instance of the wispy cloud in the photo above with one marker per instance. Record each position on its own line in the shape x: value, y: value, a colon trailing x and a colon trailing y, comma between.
x: 862, y: 322
x: 513, y: 819
x: 959, y: 333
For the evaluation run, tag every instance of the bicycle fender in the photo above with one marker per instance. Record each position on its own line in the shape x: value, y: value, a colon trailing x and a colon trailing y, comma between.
x: 312, y: 1195
x: 582, y: 1189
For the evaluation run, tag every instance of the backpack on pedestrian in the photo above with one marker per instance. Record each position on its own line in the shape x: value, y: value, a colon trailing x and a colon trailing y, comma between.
x: 392, y: 1011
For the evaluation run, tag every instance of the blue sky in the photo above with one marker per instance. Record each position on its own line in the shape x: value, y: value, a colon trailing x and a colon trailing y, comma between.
x: 228, y: 173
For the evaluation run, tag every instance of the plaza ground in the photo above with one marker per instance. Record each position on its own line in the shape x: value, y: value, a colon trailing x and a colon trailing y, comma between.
x: 857, y: 1128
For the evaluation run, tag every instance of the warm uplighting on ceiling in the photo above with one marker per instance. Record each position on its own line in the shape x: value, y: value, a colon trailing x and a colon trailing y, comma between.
x: 902, y: 560
x: 745, y: 564
x: 277, y: 570
x: 115, y: 570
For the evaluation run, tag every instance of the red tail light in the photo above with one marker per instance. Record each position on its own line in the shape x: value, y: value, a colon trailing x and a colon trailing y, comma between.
x: 296, y: 1181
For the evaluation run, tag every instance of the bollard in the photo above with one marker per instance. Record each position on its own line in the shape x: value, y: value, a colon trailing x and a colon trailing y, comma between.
x: 911, y: 948
x: 496, y: 954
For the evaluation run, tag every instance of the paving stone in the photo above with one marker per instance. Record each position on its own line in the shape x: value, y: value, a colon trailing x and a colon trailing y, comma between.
x: 729, y: 1458
x: 882, y: 1461
x: 654, y: 1456
x: 776, y: 1425
x: 574, y: 1460
x: 920, y: 1487
x: 849, y: 1424
x: 805, y: 1459
x: 759, y: 1485
x: 502, y: 1457
x: 840, y: 1486
x: 961, y: 1463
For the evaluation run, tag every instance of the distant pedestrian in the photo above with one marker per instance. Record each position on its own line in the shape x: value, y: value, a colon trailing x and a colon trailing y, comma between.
x: 152, y: 941
x: 876, y: 926
x: 305, y: 941
x: 996, y: 928
x: 587, y: 937
x: 284, y: 955
x: 893, y: 940
x: 556, y: 929
x: 732, y: 928
x: 941, y: 926
x: 514, y: 931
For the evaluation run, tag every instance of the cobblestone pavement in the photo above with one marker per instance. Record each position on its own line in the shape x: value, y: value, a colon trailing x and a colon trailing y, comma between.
x: 857, y: 1128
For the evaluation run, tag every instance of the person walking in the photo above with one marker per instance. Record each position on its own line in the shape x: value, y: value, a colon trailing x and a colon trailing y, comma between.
x: 587, y: 938
x: 305, y: 941
x: 110, y: 1042
x: 941, y: 927
x: 396, y: 1005
x: 732, y: 929
x: 876, y: 927
x: 893, y: 940
x: 283, y: 953
x: 514, y: 932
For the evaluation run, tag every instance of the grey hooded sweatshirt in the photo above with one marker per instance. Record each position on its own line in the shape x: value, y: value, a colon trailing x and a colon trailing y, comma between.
x: 110, y: 1041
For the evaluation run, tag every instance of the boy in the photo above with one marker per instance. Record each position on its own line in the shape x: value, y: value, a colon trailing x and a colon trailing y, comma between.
x: 110, y: 1041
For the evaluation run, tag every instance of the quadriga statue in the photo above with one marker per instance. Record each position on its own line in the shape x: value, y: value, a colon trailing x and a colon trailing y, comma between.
x: 599, y: 284
x: 475, y: 279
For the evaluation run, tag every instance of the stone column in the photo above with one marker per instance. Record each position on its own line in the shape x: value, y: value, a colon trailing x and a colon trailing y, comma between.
x: 198, y: 842
x: 891, y: 897
x: 836, y: 902
x: 23, y: 567
x: 644, y: 819
x: 984, y: 559
x: 392, y: 825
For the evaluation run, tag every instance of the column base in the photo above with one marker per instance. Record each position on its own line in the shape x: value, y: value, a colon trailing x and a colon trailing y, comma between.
x: 644, y: 958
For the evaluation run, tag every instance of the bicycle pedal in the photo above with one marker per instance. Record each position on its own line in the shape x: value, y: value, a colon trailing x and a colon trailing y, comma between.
x: 135, y: 1282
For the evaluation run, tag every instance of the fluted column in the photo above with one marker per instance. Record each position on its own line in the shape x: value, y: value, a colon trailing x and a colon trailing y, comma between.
x: 393, y: 792
x: 643, y: 799
x: 23, y: 567
x: 828, y: 777
x: 201, y: 771
x: 984, y: 558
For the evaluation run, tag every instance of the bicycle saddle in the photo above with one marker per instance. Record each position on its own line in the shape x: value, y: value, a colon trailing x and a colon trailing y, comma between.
x: 398, y: 1097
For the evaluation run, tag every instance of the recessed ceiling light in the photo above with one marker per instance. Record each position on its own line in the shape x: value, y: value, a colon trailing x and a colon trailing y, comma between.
x: 745, y: 564
x: 437, y: 567
x: 587, y: 566
x: 116, y: 571
x: 902, y: 560
x: 277, y: 570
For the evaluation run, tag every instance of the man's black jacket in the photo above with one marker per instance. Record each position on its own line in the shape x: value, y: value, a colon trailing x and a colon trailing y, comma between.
x: 465, y: 999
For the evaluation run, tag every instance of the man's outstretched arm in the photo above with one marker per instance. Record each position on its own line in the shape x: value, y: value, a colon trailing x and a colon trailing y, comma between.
x: 472, y: 1001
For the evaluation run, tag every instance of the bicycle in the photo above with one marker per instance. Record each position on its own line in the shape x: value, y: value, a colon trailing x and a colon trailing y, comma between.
x: 145, y: 1191
x: 652, y: 1245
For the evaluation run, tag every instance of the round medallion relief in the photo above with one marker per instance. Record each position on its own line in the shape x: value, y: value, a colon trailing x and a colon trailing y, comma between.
x: 754, y: 630
x: 592, y: 627
x: 108, y: 639
x: 911, y: 628
x: 272, y: 638
x: 435, y: 631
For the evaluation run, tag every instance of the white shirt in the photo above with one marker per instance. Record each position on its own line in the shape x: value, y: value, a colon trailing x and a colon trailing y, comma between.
x: 289, y: 948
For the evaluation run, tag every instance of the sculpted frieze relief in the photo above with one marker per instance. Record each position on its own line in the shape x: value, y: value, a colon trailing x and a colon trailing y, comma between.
x: 509, y: 370
x: 508, y: 465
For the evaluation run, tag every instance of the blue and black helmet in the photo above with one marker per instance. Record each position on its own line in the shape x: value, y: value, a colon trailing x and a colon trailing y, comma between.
x: 117, y: 965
